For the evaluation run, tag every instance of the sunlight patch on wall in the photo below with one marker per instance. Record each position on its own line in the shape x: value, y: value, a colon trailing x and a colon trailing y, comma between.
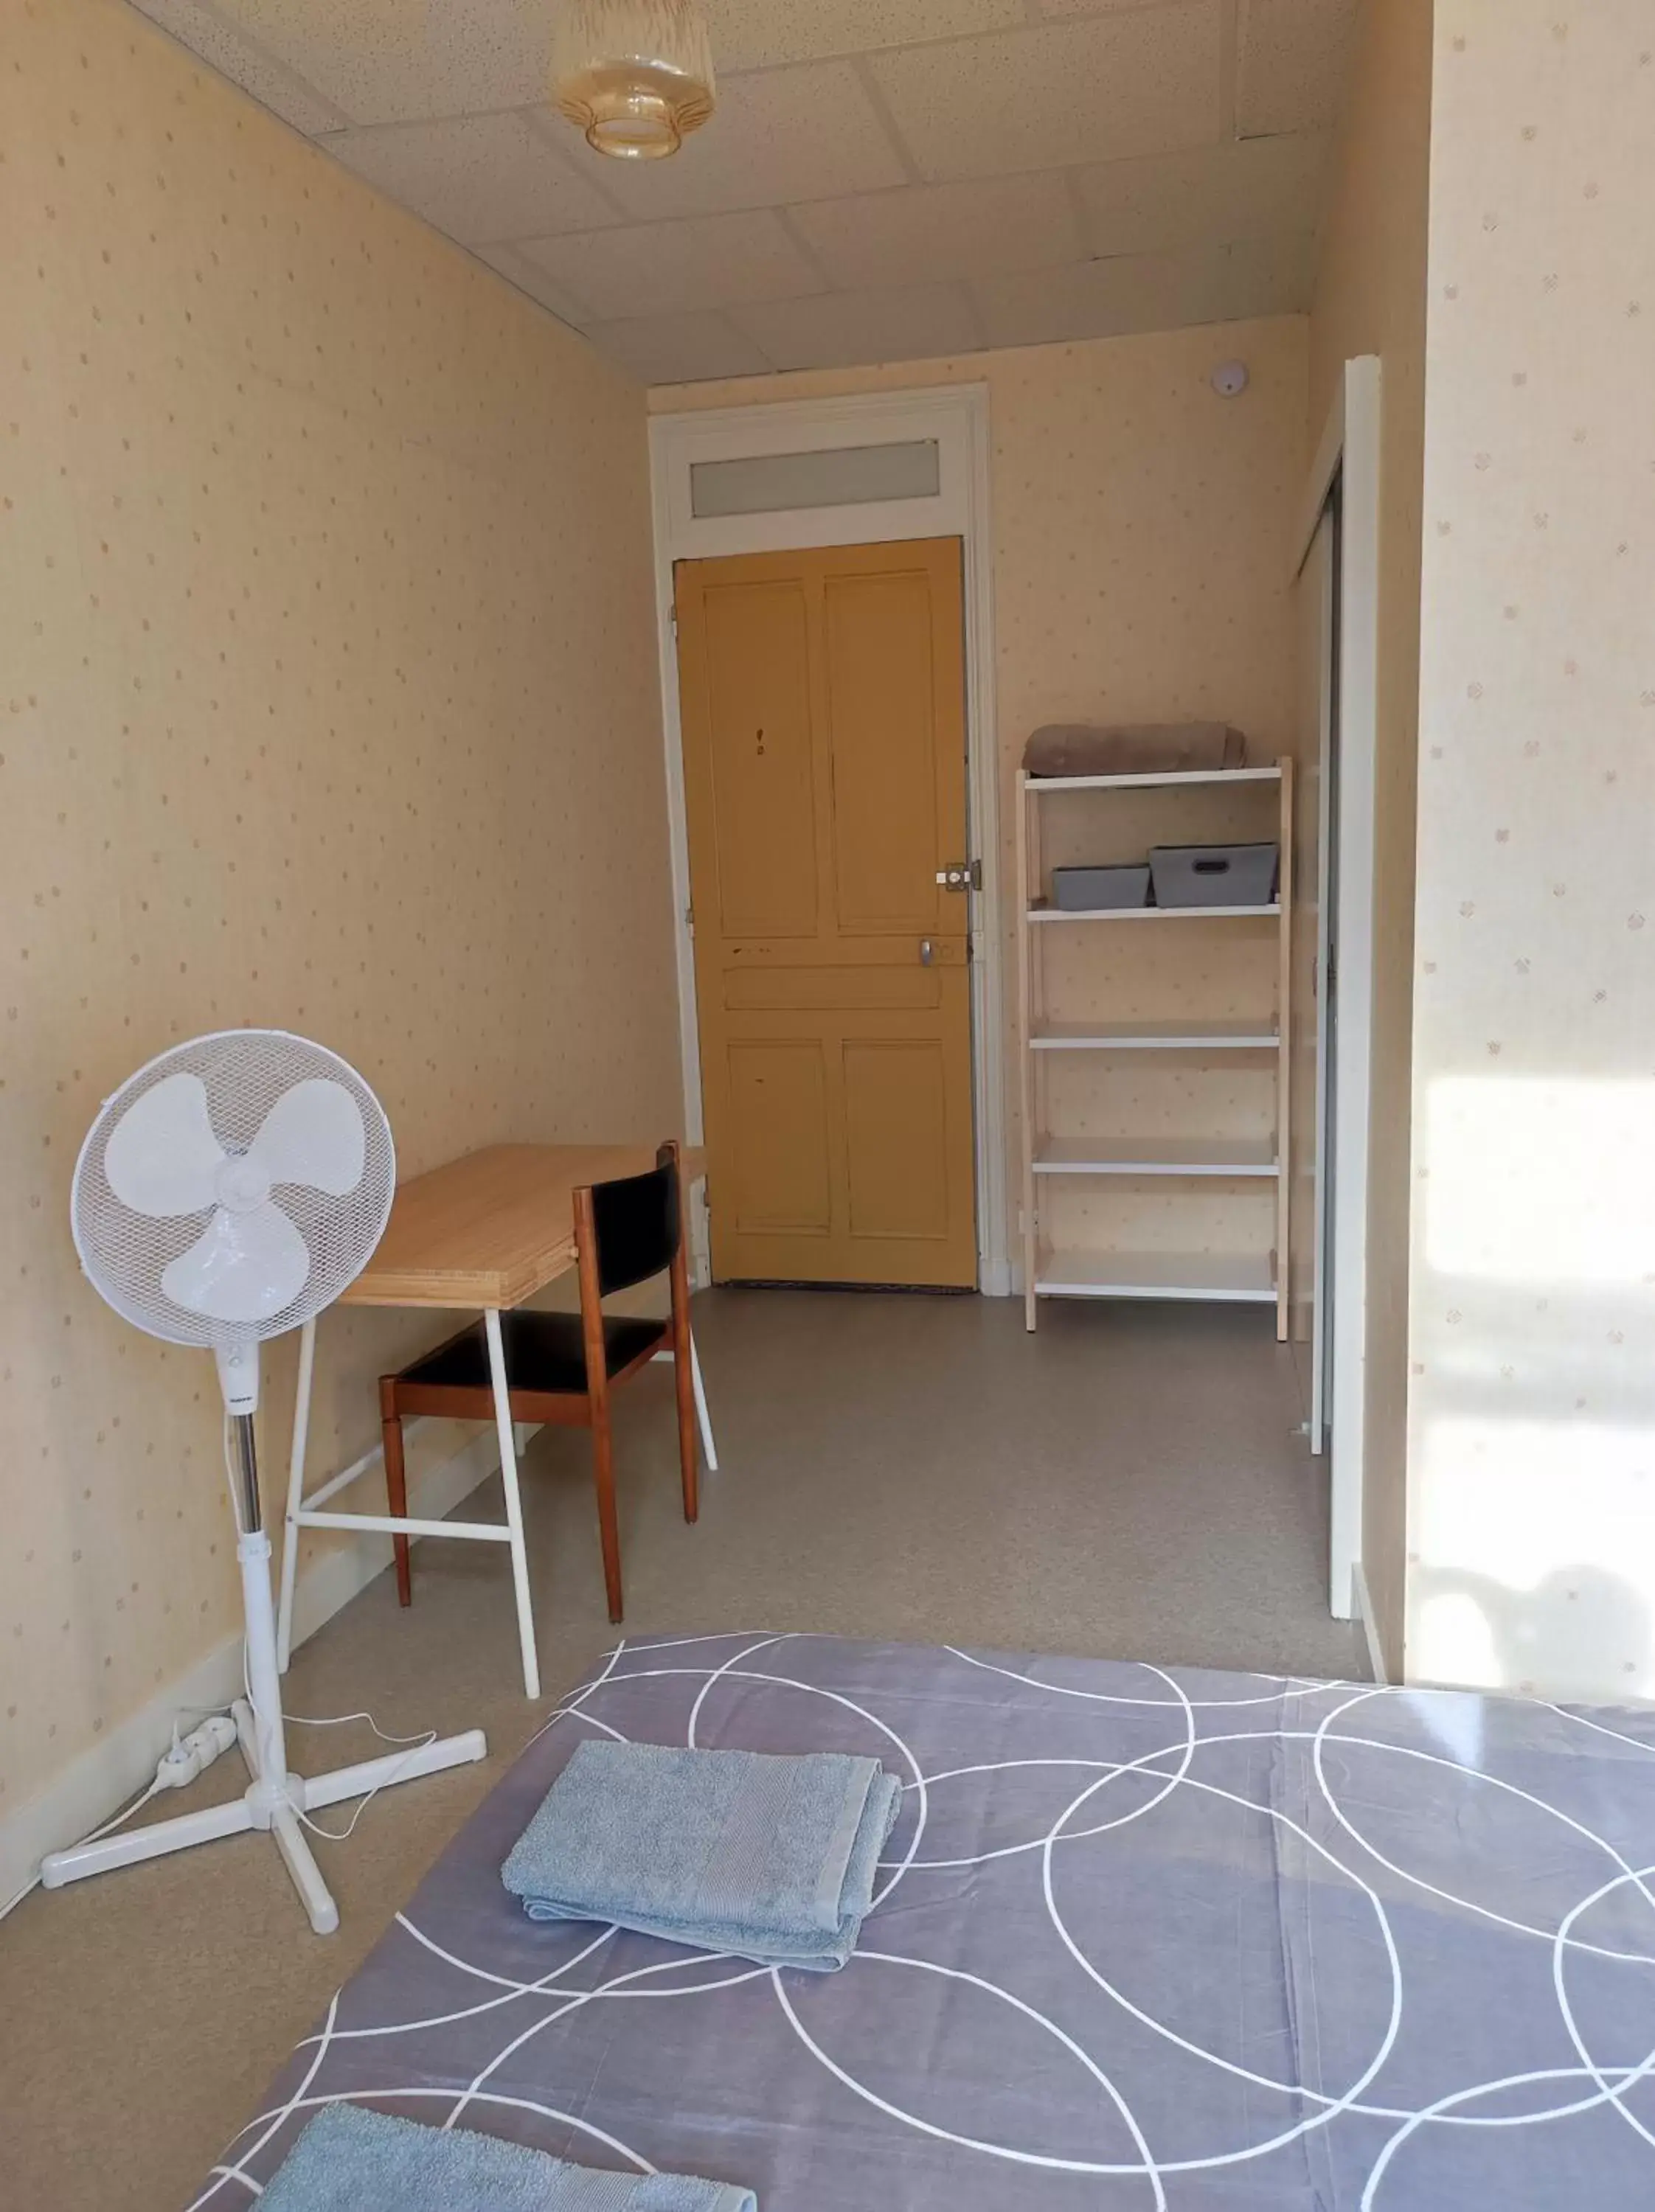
x: 1536, y: 1557
x: 1537, y: 1180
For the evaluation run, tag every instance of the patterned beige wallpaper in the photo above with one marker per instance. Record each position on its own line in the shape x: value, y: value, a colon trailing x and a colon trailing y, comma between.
x: 1370, y: 298
x: 1532, y: 1501
x: 327, y: 700
x: 1143, y: 532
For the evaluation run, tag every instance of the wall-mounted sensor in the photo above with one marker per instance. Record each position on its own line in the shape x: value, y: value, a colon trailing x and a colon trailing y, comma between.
x: 1230, y: 379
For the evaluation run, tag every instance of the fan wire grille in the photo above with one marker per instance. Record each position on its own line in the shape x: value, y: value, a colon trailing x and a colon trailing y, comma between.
x: 124, y: 1254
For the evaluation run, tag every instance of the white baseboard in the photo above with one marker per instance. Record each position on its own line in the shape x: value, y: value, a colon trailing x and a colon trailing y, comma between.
x: 1376, y: 1657
x: 94, y: 1785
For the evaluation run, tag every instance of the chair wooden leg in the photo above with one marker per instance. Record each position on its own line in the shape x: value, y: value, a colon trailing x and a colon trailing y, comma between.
x: 603, y: 1470
x: 396, y: 1486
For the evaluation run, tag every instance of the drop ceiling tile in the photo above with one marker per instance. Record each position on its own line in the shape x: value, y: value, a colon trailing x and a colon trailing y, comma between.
x: 1087, y: 300
x: 1055, y: 94
x: 1292, y: 63
x: 245, y: 63
x: 756, y: 34
x: 514, y: 265
x: 922, y: 233
x: 1139, y: 292
x: 1056, y: 8
x: 680, y: 349
x: 841, y: 330
x: 791, y: 134
x: 1274, y: 275
x: 1242, y: 189
x: 673, y: 268
x: 477, y: 177
x: 397, y: 61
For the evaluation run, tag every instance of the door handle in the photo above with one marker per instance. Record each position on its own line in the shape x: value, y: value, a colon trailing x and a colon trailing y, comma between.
x: 961, y: 876
x: 928, y: 952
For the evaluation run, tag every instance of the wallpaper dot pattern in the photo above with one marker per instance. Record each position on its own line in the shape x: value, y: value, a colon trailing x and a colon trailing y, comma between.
x: 328, y: 703
x: 1532, y: 1505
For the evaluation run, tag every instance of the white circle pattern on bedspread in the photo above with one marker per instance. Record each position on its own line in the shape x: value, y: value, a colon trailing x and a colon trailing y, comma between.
x: 1142, y: 1937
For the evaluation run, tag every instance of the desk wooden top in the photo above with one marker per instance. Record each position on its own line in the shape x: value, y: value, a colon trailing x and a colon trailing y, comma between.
x: 493, y: 1228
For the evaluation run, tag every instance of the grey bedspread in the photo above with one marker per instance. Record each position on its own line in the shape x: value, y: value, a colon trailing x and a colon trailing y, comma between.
x: 1141, y: 1938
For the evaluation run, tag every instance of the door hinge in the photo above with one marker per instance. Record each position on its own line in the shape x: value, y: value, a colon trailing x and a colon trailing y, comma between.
x: 690, y: 917
x: 673, y: 617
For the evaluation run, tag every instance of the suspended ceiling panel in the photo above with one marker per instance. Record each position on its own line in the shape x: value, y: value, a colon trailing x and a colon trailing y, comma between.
x: 881, y: 179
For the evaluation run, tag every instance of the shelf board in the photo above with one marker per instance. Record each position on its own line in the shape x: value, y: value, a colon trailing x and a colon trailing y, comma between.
x: 1156, y: 1155
x: 1154, y: 1036
x: 1173, y: 777
x: 1229, y: 1278
x: 1150, y: 913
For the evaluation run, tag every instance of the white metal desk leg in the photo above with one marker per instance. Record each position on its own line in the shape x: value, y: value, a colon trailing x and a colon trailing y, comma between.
x: 295, y: 1492
x: 700, y: 1408
x: 520, y: 1563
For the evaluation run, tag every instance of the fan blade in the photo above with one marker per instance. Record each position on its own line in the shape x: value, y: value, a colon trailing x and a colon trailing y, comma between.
x: 162, y: 1156
x: 242, y: 1268
x: 313, y: 1134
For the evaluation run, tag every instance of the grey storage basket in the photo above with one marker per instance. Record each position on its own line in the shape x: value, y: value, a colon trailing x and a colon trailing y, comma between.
x: 1097, y: 890
x: 1214, y: 875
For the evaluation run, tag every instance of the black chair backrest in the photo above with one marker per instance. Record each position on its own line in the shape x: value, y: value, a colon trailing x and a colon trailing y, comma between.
x: 637, y: 1218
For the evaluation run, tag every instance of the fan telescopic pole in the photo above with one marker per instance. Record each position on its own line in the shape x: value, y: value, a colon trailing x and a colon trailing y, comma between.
x: 244, y: 1447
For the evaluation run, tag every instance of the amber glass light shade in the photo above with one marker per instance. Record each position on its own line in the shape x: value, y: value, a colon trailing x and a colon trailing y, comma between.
x: 636, y: 75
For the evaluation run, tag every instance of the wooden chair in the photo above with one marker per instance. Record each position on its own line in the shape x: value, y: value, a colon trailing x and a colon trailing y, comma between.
x: 563, y: 1367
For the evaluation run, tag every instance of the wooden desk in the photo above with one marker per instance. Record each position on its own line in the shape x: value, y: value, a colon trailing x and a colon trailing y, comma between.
x: 495, y: 1227
x: 483, y: 1233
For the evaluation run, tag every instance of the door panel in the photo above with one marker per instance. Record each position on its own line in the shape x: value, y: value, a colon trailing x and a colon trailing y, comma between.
x: 895, y: 1103
x: 882, y: 737
x: 764, y: 814
x: 779, y: 1128
x: 823, y: 722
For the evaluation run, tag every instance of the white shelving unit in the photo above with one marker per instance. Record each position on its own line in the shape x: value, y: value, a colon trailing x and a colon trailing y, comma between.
x: 1049, y: 1270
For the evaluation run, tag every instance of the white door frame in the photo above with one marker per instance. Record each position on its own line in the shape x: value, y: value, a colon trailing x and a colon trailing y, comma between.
x: 956, y: 417
x: 1327, y: 724
x: 1350, y: 451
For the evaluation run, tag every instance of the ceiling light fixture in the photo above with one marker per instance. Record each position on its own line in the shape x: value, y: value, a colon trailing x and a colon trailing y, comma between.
x: 636, y: 75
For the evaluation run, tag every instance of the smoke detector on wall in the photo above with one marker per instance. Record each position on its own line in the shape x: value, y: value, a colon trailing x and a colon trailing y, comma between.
x: 1230, y: 379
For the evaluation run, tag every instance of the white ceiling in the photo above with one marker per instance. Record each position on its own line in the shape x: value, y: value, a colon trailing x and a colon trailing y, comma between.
x: 881, y: 179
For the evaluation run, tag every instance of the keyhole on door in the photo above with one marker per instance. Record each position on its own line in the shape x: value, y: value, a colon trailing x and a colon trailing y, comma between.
x: 761, y: 744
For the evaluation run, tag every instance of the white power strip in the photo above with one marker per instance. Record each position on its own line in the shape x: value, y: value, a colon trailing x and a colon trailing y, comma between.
x: 189, y: 1756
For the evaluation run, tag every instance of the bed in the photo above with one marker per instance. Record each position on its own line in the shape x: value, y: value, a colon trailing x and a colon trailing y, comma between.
x: 1144, y: 1937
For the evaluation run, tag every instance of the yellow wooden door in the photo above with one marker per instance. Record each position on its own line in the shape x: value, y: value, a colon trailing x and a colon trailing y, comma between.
x: 823, y: 703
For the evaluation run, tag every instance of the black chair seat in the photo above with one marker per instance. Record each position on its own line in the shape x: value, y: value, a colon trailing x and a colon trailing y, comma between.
x: 626, y: 1231
x: 543, y: 1351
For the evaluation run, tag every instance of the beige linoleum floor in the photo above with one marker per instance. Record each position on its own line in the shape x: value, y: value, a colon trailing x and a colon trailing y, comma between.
x: 1129, y: 1483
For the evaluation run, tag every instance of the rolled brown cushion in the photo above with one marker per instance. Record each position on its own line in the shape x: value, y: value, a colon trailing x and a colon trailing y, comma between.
x: 1132, y: 748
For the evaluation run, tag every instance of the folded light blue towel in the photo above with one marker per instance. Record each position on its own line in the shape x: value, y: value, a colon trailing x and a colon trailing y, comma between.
x: 772, y: 1859
x: 351, y: 2159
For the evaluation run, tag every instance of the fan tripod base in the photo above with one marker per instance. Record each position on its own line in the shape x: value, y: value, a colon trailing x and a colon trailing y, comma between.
x: 274, y: 1807
x: 274, y: 1799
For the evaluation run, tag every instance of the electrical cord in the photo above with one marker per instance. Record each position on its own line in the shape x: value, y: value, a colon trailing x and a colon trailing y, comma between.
x: 119, y: 1819
x: 12, y: 1903
x: 414, y: 1744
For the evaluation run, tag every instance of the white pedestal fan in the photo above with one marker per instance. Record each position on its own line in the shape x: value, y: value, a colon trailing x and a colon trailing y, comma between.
x: 226, y: 1194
